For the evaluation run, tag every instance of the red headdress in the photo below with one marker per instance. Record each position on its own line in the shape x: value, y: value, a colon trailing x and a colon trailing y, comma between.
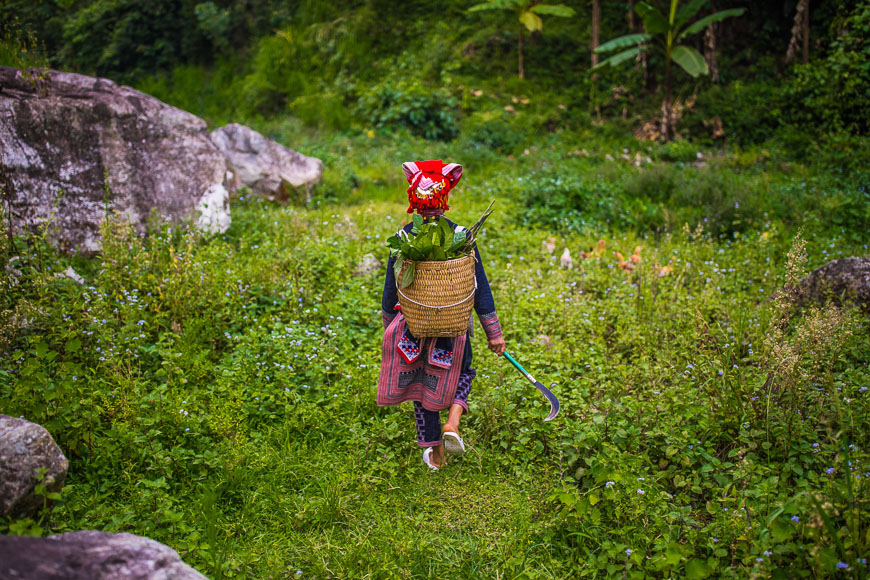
x: 430, y: 183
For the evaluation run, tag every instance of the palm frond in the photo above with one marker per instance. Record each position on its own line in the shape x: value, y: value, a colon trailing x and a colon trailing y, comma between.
x: 703, y: 23
x: 618, y: 58
x: 623, y: 41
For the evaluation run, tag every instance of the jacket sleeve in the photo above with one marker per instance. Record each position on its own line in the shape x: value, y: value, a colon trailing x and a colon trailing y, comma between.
x: 484, y: 304
x: 390, y: 298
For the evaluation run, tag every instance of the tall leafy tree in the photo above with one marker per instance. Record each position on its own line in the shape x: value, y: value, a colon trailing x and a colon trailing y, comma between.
x: 528, y: 13
x: 665, y: 32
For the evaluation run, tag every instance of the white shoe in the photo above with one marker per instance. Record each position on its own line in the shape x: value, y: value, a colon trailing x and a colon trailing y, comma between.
x: 426, y: 455
x: 453, y: 443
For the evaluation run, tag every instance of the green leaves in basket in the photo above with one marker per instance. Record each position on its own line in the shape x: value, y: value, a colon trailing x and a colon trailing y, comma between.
x: 409, y: 252
x: 445, y: 235
x: 424, y: 243
x: 408, y: 276
x: 432, y: 241
x: 458, y: 240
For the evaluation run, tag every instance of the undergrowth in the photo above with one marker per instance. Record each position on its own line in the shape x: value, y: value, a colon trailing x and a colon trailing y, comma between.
x: 217, y: 393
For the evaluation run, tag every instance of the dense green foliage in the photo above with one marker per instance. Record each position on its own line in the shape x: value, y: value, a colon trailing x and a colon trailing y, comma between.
x: 217, y: 393
x: 342, y: 64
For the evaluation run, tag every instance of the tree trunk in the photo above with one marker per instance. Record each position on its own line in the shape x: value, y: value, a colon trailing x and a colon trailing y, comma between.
x: 667, y: 105
x: 710, y: 52
x: 641, y: 57
x: 806, y: 54
x: 800, y: 31
x: 596, y: 25
x: 644, y: 70
x: 522, y: 70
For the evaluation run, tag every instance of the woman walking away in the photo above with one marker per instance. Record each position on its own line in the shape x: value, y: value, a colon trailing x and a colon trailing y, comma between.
x: 434, y: 373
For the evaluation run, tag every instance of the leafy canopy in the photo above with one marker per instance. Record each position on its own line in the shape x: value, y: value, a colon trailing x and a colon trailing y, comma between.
x: 528, y: 12
x: 665, y: 32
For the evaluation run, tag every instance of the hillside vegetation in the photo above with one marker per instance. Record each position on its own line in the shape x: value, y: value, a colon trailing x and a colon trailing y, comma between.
x: 217, y: 393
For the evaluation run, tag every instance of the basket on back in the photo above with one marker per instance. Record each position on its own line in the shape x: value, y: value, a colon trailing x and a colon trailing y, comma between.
x: 439, y: 300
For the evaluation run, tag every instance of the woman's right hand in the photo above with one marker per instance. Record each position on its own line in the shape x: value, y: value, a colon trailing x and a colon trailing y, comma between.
x: 496, y: 345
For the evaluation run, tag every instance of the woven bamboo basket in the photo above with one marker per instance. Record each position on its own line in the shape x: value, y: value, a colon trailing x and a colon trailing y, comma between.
x: 439, y: 300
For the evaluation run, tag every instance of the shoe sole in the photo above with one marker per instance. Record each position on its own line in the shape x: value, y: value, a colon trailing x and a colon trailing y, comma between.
x: 453, y: 444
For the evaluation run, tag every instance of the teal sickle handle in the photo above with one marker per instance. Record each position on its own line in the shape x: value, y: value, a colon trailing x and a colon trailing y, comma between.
x: 519, y: 367
x: 554, y: 402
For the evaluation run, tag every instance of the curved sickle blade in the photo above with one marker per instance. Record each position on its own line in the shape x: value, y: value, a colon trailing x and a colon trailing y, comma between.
x: 554, y: 402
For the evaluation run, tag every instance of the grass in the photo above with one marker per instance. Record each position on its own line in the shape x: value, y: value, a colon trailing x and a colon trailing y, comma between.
x: 217, y: 393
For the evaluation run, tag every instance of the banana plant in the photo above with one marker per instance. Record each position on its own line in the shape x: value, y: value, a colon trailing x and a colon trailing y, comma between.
x: 528, y: 14
x: 665, y: 32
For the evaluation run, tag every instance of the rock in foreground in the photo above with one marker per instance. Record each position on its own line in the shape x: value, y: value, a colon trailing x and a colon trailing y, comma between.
x: 839, y: 280
x: 65, y: 138
x: 91, y: 555
x: 268, y: 168
x: 26, y: 447
x: 368, y: 265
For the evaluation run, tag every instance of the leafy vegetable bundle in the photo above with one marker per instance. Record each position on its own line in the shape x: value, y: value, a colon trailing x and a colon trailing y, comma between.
x: 433, y: 241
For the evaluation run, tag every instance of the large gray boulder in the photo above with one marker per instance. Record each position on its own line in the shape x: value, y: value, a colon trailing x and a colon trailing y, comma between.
x: 26, y: 447
x: 268, y: 168
x: 90, y: 555
x: 838, y: 280
x: 65, y: 137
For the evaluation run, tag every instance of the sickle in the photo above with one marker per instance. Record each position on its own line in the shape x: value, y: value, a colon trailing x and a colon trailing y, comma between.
x: 554, y: 402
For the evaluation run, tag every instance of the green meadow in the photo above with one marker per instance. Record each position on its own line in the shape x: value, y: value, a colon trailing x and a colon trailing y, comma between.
x: 217, y: 392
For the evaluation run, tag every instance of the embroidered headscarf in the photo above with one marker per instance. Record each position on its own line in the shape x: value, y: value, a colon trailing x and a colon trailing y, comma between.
x: 430, y: 183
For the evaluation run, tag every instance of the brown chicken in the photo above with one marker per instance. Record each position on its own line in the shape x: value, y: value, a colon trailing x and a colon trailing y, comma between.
x: 597, y: 252
x: 623, y: 265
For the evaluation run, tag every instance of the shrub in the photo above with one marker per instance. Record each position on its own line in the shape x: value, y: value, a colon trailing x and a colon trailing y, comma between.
x: 572, y: 203
x: 407, y: 104
x: 680, y: 150
x: 719, y: 199
x: 750, y: 112
x: 323, y: 109
x: 831, y: 94
x: 656, y: 183
x: 494, y: 130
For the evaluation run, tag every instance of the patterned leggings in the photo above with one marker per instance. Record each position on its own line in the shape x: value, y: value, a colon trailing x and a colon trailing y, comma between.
x: 429, y: 422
